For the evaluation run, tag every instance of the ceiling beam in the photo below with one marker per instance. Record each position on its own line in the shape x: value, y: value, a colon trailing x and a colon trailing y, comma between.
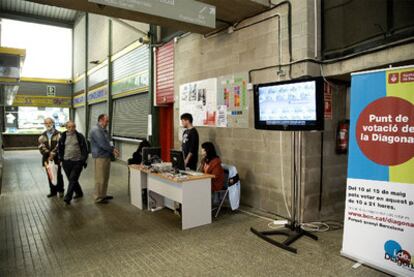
x: 35, y: 19
x: 236, y: 10
x: 86, y: 6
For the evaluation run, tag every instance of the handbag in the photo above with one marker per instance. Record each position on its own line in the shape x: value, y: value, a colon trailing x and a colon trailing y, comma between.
x: 52, y: 171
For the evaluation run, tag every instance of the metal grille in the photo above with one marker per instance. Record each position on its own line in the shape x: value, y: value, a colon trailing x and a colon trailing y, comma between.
x: 94, y: 111
x: 133, y: 62
x: 98, y: 77
x: 130, y: 117
x: 35, y: 9
x: 165, y: 74
x: 80, y: 119
x: 79, y: 86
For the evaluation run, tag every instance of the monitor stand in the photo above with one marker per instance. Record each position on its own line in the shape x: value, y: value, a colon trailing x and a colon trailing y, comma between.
x: 293, y: 230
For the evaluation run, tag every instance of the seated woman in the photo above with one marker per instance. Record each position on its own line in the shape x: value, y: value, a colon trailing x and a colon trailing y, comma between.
x: 137, y: 156
x: 211, y: 164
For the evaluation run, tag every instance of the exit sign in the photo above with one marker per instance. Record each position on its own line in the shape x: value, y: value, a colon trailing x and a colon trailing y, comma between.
x: 51, y: 90
x: 189, y: 11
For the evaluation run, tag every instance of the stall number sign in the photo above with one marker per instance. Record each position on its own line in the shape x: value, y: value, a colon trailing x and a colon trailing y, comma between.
x: 51, y: 90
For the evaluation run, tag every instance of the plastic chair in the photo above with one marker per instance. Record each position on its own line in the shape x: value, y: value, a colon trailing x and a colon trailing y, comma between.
x: 231, y: 178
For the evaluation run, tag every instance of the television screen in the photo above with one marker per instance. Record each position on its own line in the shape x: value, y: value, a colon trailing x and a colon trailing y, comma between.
x: 292, y: 105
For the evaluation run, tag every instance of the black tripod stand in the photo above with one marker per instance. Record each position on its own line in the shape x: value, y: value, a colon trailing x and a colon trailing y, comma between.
x: 293, y: 230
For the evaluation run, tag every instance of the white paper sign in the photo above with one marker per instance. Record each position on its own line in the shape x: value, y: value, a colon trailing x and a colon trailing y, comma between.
x: 200, y: 100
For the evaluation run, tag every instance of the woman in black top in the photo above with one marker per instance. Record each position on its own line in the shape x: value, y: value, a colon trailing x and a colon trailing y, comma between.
x: 137, y: 156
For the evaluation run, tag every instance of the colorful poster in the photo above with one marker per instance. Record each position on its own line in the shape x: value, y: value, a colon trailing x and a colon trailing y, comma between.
x: 233, y: 94
x: 379, y: 213
x: 200, y: 99
x: 217, y: 103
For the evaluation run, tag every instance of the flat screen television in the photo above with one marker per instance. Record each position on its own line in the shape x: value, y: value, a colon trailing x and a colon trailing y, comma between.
x: 290, y: 106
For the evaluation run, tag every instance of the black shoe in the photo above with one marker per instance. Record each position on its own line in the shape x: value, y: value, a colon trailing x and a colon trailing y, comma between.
x: 67, y: 202
x: 61, y: 194
x: 108, y: 197
x: 78, y: 196
x: 102, y: 201
x: 51, y: 195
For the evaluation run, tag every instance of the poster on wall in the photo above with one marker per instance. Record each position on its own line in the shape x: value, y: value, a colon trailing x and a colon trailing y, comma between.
x: 327, y: 99
x: 379, y: 213
x: 233, y: 96
x: 200, y: 99
x: 222, y: 102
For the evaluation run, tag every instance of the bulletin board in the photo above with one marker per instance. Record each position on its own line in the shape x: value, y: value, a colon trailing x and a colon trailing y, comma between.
x: 200, y: 99
x: 217, y: 102
x: 233, y: 101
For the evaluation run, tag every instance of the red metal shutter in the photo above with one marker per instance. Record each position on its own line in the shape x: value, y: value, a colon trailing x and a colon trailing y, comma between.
x: 165, y: 74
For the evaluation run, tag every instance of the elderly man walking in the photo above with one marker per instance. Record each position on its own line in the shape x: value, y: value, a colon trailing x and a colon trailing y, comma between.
x: 102, y: 151
x: 48, y: 142
x: 73, y: 152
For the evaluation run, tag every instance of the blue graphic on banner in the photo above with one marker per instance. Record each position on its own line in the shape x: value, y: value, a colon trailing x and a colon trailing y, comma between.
x: 97, y: 95
x: 395, y: 253
x: 366, y: 88
x: 78, y: 100
x: 391, y: 248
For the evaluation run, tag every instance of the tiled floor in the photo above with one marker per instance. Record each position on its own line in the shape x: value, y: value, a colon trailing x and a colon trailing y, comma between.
x: 42, y: 237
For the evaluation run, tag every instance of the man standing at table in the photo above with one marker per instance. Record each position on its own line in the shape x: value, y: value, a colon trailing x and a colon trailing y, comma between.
x: 102, y: 151
x: 190, y: 142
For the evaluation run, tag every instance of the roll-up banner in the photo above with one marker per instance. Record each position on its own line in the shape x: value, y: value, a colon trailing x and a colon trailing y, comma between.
x: 379, y: 213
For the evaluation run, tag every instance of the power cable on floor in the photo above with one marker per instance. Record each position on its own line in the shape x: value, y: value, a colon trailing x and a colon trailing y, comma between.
x: 273, y: 224
x: 321, y: 226
x: 317, y: 226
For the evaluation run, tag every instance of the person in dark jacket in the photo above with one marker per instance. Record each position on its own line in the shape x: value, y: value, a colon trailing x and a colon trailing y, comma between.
x: 211, y: 164
x: 189, y: 144
x: 137, y: 155
x: 73, y: 152
x: 48, y: 142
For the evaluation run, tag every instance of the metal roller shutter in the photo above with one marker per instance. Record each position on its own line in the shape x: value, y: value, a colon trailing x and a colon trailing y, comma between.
x: 130, y: 118
x: 79, y: 86
x: 165, y: 74
x: 98, y: 77
x: 133, y: 62
x: 94, y: 111
x: 80, y: 119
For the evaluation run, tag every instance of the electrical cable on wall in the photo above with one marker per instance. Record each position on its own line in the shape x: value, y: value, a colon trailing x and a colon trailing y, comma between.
x: 330, y: 61
x: 282, y: 174
x: 235, y: 27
